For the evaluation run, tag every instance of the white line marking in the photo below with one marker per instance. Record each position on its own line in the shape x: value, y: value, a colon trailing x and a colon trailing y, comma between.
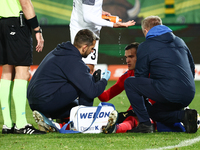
x: 181, y: 144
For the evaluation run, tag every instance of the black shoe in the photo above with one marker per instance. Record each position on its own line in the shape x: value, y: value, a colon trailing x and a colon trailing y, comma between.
x: 190, y: 121
x: 6, y: 130
x: 28, y: 129
x: 142, y: 128
x: 123, y: 115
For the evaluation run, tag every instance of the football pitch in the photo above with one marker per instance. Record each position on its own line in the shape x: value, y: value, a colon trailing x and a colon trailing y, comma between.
x: 120, y: 141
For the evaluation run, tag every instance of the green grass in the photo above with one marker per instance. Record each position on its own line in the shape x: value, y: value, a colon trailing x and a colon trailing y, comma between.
x: 134, y: 141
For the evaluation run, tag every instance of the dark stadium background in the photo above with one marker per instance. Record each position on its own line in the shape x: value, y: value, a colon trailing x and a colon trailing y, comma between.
x: 113, y: 41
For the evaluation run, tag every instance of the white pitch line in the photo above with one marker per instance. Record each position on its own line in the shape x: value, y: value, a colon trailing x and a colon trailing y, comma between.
x: 181, y: 144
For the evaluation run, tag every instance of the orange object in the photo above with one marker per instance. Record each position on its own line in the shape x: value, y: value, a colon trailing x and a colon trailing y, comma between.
x: 117, y: 71
x: 32, y: 70
x: 112, y: 18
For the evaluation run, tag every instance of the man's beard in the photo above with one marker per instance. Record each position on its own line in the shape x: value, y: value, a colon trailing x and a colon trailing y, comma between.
x: 84, y: 56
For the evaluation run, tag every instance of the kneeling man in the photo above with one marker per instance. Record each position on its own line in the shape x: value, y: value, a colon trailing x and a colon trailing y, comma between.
x: 61, y: 78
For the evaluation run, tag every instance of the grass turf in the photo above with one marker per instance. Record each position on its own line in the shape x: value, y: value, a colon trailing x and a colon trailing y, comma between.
x: 52, y: 141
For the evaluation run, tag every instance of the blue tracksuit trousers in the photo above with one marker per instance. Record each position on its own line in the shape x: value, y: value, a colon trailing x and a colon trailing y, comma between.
x: 63, y: 100
x: 162, y: 111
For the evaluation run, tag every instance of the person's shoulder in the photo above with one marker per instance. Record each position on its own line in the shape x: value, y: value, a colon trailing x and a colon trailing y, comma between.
x: 131, y: 72
x: 178, y: 39
x: 179, y: 42
x: 143, y: 46
x: 147, y: 44
x: 125, y: 73
x: 128, y: 73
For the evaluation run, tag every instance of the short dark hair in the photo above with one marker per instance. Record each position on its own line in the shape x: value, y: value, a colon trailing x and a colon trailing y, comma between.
x: 132, y: 45
x: 86, y: 37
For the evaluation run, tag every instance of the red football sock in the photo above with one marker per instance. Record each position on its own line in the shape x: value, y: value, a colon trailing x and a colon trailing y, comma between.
x: 129, y: 123
x: 62, y: 124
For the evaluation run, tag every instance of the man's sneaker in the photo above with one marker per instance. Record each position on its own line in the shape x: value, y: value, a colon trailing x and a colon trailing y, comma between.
x: 44, y: 123
x: 6, y: 130
x: 142, y: 128
x: 111, y: 125
x: 28, y: 129
x: 190, y: 121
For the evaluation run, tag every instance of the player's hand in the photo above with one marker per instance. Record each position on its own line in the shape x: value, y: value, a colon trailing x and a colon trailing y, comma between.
x: 124, y: 24
x: 40, y: 42
x: 106, y: 74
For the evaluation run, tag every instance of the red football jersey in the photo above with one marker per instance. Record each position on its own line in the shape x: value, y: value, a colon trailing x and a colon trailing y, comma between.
x: 117, y: 88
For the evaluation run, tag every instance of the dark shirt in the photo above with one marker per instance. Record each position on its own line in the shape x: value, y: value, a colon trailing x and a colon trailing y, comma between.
x: 168, y: 61
x: 62, y: 66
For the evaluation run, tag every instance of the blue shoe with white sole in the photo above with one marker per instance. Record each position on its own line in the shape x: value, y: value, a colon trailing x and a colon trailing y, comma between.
x: 44, y: 123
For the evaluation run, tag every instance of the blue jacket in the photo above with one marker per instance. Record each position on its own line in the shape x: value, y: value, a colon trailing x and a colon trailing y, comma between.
x: 169, y: 62
x: 61, y: 66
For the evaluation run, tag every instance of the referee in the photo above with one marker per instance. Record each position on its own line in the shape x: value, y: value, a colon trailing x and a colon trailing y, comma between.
x: 17, y: 17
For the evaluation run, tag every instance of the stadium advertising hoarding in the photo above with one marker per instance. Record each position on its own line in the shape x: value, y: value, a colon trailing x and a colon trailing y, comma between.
x: 116, y: 70
x: 113, y: 41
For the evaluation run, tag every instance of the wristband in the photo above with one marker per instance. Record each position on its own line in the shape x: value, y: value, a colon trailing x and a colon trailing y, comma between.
x: 33, y: 22
x: 38, y: 31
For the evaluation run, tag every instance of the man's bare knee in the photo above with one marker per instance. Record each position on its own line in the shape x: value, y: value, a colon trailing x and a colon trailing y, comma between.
x: 22, y: 72
x: 8, y: 72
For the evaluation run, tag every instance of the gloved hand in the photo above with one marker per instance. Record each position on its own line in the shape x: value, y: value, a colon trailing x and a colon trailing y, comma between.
x: 106, y: 74
x: 97, y: 75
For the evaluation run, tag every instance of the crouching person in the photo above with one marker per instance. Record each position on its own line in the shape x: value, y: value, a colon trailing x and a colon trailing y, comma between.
x: 169, y: 62
x: 61, y: 77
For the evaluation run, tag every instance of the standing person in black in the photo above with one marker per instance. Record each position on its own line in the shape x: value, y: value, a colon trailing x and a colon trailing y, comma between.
x: 17, y: 17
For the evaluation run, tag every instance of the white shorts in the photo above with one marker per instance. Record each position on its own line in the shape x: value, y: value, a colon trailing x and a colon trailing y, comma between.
x: 91, y: 58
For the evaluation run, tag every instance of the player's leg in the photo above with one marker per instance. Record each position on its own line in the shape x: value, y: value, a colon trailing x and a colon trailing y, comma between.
x: 111, y: 125
x: 124, y: 115
x: 5, y: 83
x: 168, y: 111
x: 5, y: 98
x: 171, y: 113
x: 129, y: 123
x: 46, y: 122
x: 6, y: 80
x: 19, y: 54
x: 58, y: 108
x: 135, y: 89
x: 61, y: 103
x: 19, y: 94
x: 84, y: 100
